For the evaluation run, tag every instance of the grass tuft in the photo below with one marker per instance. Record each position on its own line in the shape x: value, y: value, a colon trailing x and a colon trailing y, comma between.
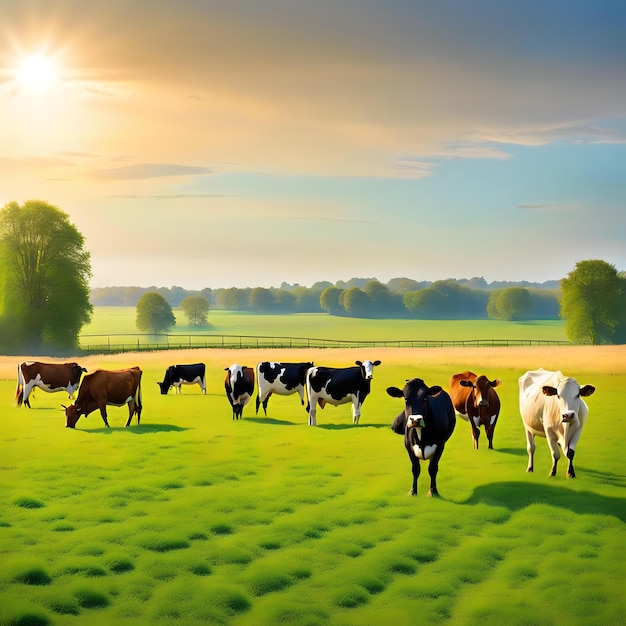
x: 90, y: 598
x: 222, y: 529
x: 163, y: 543
x: 29, y: 503
x: 350, y: 597
x: 31, y: 575
x: 121, y: 565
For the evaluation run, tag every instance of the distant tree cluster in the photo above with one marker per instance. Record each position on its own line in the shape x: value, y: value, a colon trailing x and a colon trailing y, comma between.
x: 367, y: 297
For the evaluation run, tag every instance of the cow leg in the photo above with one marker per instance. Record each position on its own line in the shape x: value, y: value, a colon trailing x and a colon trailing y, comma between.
x: 530, y: 447
x: 570, y: 466
x: 415, y: 469
x: 433, y: 468
x: 556, y: 453
x: 265, y: 401
x: 103, y: 412
x: 356, y: 413
x: 313, y: 413
x: 475, y: 434
x: 489, y: 432
x: 131, y: 411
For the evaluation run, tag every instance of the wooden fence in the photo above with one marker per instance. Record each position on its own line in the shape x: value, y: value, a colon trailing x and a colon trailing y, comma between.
x: 113, y: 344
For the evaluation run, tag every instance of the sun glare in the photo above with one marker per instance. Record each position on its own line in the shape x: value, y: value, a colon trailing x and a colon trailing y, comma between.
x: 37, y: 73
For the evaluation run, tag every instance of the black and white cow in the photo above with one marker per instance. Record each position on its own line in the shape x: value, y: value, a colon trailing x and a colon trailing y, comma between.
x: 427, y: 422
x: 239, y: 385
x: 332, y: 385
x: 283, y: 379
x: 179, y: 375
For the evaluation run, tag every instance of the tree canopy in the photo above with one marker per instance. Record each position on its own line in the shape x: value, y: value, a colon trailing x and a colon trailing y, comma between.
x: 196, y: 309
x: 154, y: 313
x: 592, y: 304
x: 44, y: 276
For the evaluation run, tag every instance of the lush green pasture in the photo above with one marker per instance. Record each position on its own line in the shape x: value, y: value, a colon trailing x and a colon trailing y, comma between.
x: 191, y: 518
x: 111, y: 320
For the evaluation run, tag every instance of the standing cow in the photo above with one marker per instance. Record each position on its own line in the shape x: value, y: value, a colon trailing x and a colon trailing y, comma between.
x: 331, y: 385
x: 179, y: 375
x: 283, y: 379
x: 104, y: 388
x: 239, y: 385
x: 476, y: 401
x: 552, y: 406
x: 427, y: 422
x: 50, y: 377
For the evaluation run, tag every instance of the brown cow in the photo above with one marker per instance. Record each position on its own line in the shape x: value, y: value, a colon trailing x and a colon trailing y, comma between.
x: 477, y: 402
x: 50, y: 377
x: 103, y: 388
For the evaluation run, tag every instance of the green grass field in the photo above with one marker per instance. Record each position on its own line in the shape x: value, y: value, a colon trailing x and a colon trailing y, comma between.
x: 191, y: 518
x: 121, y: 321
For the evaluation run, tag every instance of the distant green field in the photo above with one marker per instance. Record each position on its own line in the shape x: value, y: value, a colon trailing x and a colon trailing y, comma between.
x: 121, y: 321
x: 192, y: 519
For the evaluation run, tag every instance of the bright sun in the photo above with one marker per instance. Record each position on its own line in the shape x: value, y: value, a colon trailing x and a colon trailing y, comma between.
x: 37, y: 73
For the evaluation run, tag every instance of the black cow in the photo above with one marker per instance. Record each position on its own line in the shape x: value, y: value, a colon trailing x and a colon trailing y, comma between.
x: 427, y: 422
x: 179, y: 375
x: 339, y: 386
x: 239, y: 385
x: 283, y: 379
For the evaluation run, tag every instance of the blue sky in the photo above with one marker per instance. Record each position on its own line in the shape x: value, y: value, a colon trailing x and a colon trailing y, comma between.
x: 211, y: 144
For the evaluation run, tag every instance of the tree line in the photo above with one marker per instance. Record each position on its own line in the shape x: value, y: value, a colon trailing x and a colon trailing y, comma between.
x: 45, y: 298
x: 362, y: 297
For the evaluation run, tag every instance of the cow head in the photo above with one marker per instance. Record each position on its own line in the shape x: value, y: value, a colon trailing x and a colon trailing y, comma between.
x: 415, y: 394
x: 72, y: 413
x: 367, y: 368
x: 481, y: 388
x: 568, y: 394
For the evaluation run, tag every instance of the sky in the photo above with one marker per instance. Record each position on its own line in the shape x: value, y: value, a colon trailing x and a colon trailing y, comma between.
x: 245, y: 143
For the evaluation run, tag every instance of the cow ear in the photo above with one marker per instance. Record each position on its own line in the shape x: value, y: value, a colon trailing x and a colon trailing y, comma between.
x: 549, y: 391
x: 377, y: 362
x: 587, y: 390
x: 496, y: 382
x: 359, y: 363
x: 433, y: 391
x: 394, y: 392
x: 226, y: 369
x: 64, y: 407
x: 466, y: 383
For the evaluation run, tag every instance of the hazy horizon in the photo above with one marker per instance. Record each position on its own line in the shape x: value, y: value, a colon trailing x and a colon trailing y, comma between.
x: 255, y: 142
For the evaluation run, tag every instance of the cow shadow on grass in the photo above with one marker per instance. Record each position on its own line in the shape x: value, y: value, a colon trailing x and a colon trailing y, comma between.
x: 143, y: 429
x: 269, y: 420
x: 350, y: 426
x: 519, y: 495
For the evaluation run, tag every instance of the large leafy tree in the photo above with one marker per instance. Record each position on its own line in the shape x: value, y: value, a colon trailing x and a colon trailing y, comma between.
x: 592, y: 302
x: 154, y: 313
x: 196, y: 308
x: 45, y: 273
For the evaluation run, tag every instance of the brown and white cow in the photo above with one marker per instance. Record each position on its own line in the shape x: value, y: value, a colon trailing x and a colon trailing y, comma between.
x: 50, y: 377
x: 239, y: 386
x: 104, y: 388
x: 552, y: 406
x: 476, y: 401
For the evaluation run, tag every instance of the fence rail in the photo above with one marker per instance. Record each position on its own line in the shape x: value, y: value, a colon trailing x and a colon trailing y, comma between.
x: 113, y: 344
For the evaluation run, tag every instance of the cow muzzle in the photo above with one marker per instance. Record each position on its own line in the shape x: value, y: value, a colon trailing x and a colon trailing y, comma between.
x: 415, y: 421
x: 568, y: 417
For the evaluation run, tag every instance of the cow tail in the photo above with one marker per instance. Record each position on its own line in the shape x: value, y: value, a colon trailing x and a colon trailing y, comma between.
x: 19, y: 391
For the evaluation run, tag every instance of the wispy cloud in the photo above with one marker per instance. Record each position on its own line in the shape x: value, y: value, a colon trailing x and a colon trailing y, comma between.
x: 547, y: 205
x: 142, y: 171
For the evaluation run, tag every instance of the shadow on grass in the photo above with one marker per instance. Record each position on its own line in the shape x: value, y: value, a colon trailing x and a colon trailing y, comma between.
x: 514, y: 451
x: 269, y: 420
x: 518, y: 495
x: 144, y: 429
x: 348, y: 426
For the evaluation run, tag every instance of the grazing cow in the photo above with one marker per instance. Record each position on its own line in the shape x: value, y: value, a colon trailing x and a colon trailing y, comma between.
x: 179, y: 375
x: 283, y: 379
x: 476, y: 401
x: 551, y: 406
x: 47, y: 376
x: 239, y: 385
x: 105, y: 387
x: 331, y: 385
x: 427, y: 422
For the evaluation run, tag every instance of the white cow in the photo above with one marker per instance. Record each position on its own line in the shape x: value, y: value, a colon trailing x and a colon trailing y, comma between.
x: 551, y: 406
